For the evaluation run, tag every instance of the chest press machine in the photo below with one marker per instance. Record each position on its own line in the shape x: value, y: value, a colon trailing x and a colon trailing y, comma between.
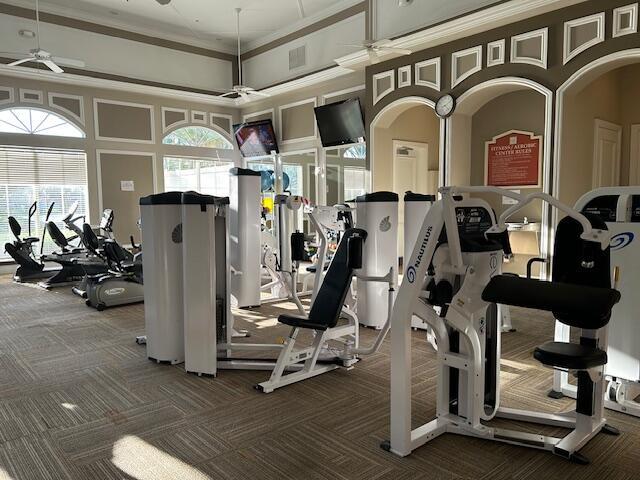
x: 468, y: 337
x: 187, y: 297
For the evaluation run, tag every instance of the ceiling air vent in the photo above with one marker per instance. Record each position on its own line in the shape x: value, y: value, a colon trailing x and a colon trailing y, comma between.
x: 298, y: 57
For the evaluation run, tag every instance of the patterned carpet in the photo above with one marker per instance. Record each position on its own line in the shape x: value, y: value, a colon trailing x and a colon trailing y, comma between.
x: 79, y: 400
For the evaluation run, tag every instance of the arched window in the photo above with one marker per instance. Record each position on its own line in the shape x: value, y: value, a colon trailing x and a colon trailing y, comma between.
x: 32, y: 121
x: 197, y: 137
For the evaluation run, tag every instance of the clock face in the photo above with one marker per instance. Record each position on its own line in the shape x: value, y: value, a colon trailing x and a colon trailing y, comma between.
x: 445, y: 106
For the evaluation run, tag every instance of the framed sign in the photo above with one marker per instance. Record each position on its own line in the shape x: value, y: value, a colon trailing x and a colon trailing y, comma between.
x: 514, y: 159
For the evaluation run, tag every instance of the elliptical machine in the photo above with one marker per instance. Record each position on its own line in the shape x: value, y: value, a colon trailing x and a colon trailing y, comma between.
x: 21, y: 249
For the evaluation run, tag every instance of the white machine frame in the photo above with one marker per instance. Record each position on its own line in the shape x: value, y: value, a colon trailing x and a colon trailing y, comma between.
x: 466, y: 314
x: 621, y: 392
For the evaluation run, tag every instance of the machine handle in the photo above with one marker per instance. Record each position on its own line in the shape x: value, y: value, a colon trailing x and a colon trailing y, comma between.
x: 503, y: 239
x: 355, y: 247
x: 531, y: 262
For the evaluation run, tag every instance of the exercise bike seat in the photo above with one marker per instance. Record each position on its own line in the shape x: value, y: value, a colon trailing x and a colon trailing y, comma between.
x: 572, y: 356
x: 31, y: 240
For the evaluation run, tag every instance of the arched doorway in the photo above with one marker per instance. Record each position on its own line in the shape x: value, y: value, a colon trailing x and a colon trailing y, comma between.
x: 496, y: 109
x: 598, y: 127
x: 405, y: 151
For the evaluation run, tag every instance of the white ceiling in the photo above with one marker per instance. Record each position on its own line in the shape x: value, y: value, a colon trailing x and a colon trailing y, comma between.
x: 209, y: 23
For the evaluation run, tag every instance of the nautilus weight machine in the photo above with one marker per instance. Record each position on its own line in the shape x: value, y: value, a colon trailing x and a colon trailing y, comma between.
x: 468, y: 337
x: 619, y: 207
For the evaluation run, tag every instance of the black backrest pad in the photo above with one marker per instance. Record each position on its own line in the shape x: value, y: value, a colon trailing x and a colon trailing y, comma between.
x: 56, y: 235
x: 578, y: 296
x: 114, y: 252
x: 89, y: 238
x: 328, y: 303
x: 569, y: 250
x: 15, y: 227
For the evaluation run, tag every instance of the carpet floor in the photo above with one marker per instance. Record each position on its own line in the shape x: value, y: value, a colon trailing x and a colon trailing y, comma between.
x: 80, y: 400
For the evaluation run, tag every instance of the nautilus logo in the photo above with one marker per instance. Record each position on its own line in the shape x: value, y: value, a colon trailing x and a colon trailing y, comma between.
x: 411, y: 274
x: 412, y: 269
x: 618, y: 242
x: 385, y: 224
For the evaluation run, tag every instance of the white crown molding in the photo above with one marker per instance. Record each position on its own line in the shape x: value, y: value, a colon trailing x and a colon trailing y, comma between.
x: 467, y: 25
x: 303, y: 82
x: 79, y: 80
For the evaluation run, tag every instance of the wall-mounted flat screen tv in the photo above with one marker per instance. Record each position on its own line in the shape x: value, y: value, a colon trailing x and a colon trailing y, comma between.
x: 340, y: 123
x: 256, y: 139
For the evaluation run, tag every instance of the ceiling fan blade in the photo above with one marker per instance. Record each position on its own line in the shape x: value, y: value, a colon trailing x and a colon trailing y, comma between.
x: 259, y: 94
x: 21, y: 61
x: 401, y: 51
x: 52, y: 66
x: 70, y: 62
x: 354, y: 45
x: 228, y: 94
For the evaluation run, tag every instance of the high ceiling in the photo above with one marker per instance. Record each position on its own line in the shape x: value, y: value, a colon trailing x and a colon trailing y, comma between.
x: 211, y: 22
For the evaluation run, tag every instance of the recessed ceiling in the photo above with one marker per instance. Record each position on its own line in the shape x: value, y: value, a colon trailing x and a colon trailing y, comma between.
x: 209, y: 21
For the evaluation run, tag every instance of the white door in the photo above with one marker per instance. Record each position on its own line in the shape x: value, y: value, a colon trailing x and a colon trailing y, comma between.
x: 607, y: 141
x: 405, y: 178
x: 634, y: 156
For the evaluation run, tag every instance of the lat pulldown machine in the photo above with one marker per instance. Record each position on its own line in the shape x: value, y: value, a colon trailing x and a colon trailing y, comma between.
x: 468, y: 334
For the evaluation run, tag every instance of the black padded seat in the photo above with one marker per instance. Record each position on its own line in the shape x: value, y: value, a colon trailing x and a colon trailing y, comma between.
x: 302, y: 322
x: 571, y: 356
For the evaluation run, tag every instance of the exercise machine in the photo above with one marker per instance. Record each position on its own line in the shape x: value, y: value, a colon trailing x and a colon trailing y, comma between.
x: 199, y: 328
x: 122, y: 284
x: 377, y: 213
x: 105, y: 229
x: 30, y: 267
x: 468, y: 334
x: 277, y: 251
x: 71, y: 251
x: 619, y: 207
x: 244, y: 227
x: 416, y: 208
x: 329, y: 224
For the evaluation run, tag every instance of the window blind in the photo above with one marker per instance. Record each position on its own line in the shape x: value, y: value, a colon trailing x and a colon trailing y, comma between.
x: 43, y: 175
x: 38, y: 166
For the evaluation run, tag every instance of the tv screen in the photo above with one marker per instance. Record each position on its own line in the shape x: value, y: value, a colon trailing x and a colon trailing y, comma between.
x: 256, y: 139
x: 340, y: 123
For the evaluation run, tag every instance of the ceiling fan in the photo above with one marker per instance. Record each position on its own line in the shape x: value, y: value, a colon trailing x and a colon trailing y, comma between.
x: 42, y: 56
x: 241, y: 90
x: 374, y: 49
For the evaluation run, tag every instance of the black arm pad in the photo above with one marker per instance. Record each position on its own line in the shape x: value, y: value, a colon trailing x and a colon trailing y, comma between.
x: 580, y: 306
x: 503, y: 239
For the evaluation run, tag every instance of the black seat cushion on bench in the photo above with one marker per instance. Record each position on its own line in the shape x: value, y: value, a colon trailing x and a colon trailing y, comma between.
x: 302, y: 322
x: 571, y: 356
x: 580, y: 306
x: 327, y: 306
